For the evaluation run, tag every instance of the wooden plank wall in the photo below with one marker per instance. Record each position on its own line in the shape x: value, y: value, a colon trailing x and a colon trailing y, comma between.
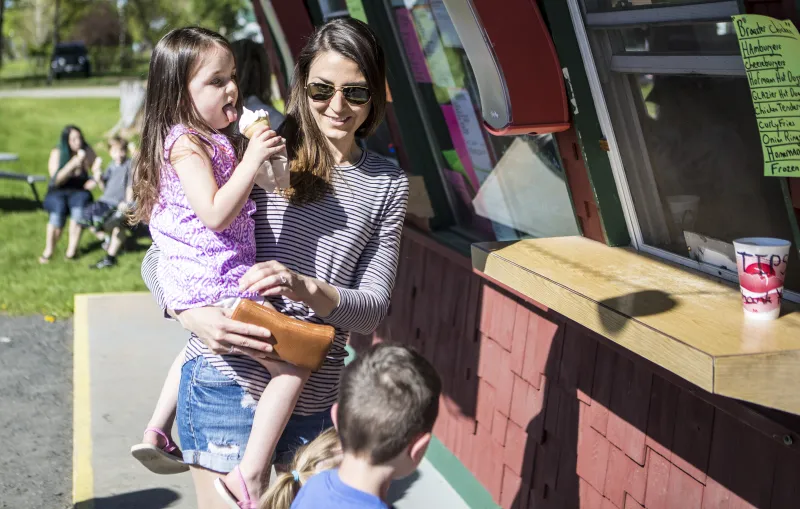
x: 545, y: 414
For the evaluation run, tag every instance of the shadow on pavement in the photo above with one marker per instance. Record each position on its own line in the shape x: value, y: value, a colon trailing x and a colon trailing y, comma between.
x: 399, y: 488
x: 156, y: 498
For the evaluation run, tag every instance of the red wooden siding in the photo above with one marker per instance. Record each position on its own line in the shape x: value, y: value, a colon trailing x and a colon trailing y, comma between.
x: 546, y: 414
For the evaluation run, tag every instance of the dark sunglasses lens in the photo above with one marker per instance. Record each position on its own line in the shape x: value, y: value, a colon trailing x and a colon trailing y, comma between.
x: 320, y: 92
x: 356, y: 95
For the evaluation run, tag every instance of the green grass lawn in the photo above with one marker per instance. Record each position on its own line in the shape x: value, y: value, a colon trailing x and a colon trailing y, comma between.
x: 16, y: 74
x: 31, y: 128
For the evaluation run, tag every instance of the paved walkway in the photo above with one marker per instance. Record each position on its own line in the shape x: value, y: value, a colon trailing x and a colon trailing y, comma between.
x: 123, y: 349
x: 35, y: 412
x: 62, y: 92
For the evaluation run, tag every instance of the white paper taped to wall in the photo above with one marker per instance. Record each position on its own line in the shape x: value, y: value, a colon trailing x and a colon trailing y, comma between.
x: 446, y: 27
x: 472, y: 130
x: 432, y: 47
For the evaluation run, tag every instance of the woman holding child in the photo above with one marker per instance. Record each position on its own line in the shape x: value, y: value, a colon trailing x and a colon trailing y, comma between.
x: 326, y: 252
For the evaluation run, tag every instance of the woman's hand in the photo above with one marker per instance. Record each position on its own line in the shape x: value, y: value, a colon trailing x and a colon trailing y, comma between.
x: 225, y: 336
x: 76, y: 163
x: 273, y: 278
x: 97, y: 171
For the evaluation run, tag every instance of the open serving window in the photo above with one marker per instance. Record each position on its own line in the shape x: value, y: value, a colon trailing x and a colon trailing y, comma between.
x: 489, y: 117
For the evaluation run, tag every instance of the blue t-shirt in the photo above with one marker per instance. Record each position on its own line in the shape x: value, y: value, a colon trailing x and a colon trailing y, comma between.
x: 327, y: 490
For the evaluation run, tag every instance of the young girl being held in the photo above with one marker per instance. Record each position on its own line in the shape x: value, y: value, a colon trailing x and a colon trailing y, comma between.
x: 192, y: 182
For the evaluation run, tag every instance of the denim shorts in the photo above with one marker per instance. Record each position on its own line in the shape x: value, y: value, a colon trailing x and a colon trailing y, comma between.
x: 60, y: 201
x: 215, y: 416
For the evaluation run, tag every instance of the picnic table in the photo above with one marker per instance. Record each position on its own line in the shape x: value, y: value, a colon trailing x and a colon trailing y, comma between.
x: 30, y: 179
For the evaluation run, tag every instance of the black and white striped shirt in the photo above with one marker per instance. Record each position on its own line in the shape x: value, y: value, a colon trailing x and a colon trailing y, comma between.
x: 350, y: 238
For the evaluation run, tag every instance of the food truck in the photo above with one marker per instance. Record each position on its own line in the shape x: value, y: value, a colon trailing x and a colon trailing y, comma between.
x: 579, y: 170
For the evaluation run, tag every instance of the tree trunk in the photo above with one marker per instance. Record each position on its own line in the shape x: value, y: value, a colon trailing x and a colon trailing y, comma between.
x: 2, y: 11
x: 56, y: 38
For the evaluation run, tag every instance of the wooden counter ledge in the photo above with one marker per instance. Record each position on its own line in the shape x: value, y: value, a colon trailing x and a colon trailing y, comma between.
x: 683, y: 321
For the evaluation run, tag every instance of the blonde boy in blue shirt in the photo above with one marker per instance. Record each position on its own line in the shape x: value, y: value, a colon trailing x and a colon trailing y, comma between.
x: 388, y: 403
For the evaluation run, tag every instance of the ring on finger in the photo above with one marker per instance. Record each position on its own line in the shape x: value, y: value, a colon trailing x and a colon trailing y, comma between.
x: 283, y: 280
x: 231, y: 350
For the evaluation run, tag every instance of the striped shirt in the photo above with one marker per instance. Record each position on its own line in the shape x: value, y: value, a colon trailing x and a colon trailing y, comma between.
x: 350, y: 239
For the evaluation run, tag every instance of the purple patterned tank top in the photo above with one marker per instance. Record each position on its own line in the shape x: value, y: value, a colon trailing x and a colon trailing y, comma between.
x: 199, y: 267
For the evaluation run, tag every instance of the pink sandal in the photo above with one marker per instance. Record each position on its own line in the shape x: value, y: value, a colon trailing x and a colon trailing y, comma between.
x: 159, y: 460
x: 228, y: 497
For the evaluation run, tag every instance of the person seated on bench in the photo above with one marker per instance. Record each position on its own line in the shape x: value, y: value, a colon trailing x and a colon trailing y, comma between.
x: 68, y: 190
x: 109, y: 212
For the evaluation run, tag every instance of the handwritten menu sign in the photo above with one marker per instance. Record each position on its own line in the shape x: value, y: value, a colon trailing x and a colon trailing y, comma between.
x: 771, y: 52
x: 356, y: 9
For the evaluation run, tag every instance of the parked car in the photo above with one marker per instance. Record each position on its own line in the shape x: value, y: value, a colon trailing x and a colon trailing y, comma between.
x: 69, y: 58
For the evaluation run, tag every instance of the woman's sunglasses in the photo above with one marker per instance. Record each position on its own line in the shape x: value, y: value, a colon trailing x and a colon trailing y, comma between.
x: 355, y: 95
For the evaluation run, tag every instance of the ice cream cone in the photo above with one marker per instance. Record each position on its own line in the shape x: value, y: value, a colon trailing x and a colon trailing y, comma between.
x: 250, y: 129
x: 275, y: 172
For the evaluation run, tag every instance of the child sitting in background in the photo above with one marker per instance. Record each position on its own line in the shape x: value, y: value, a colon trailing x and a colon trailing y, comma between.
x: 388, y: 403
x: 116, y: 184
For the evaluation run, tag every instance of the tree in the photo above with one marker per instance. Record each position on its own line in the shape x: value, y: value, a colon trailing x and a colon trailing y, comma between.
x: 220, y: 15
x: 2, y: 13
x: 30, y: 22
x: 99, y: 28
x: 149, y: 20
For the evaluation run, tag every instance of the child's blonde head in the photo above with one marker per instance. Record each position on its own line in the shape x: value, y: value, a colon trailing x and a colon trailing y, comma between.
x: 322, y: 453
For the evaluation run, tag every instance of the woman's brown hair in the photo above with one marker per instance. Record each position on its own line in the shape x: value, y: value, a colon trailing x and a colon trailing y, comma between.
x: 168, y: 103
x: 322, y: 453
x: 312, y: 162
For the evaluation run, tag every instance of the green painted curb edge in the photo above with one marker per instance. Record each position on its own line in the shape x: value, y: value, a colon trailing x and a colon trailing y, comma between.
x: 450, y: 468
x: 351, y: 354
x: 458, y: 477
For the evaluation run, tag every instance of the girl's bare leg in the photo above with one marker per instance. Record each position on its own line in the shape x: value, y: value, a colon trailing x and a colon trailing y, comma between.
x: 272, y: 413
x: 164, y: 413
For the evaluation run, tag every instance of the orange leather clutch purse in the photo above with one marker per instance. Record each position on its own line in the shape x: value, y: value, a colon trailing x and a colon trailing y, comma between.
x: 294, y: 341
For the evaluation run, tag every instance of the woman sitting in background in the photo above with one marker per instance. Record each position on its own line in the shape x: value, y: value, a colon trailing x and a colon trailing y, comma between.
x: 68, y: 191
x: 255, y: 78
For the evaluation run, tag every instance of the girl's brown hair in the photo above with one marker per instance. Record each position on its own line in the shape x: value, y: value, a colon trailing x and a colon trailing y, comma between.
x: 167, y: 103
x: 322, y: 453
x: 312, y: 163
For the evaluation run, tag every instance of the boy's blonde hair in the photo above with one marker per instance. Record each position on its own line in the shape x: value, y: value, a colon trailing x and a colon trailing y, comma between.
x: 322, y: 453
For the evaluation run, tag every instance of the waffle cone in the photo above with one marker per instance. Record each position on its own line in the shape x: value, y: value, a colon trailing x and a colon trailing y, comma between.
x: 249, y: 130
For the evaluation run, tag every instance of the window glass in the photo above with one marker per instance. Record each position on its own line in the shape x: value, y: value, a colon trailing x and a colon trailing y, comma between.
x: 501, y: 188
x: 616, y: 5
x: 690, y: 145
x: 333, y: 8
x: 708, y: 38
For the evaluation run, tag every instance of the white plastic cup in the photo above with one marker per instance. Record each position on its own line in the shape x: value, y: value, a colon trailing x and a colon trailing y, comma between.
x: 761, y: 263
